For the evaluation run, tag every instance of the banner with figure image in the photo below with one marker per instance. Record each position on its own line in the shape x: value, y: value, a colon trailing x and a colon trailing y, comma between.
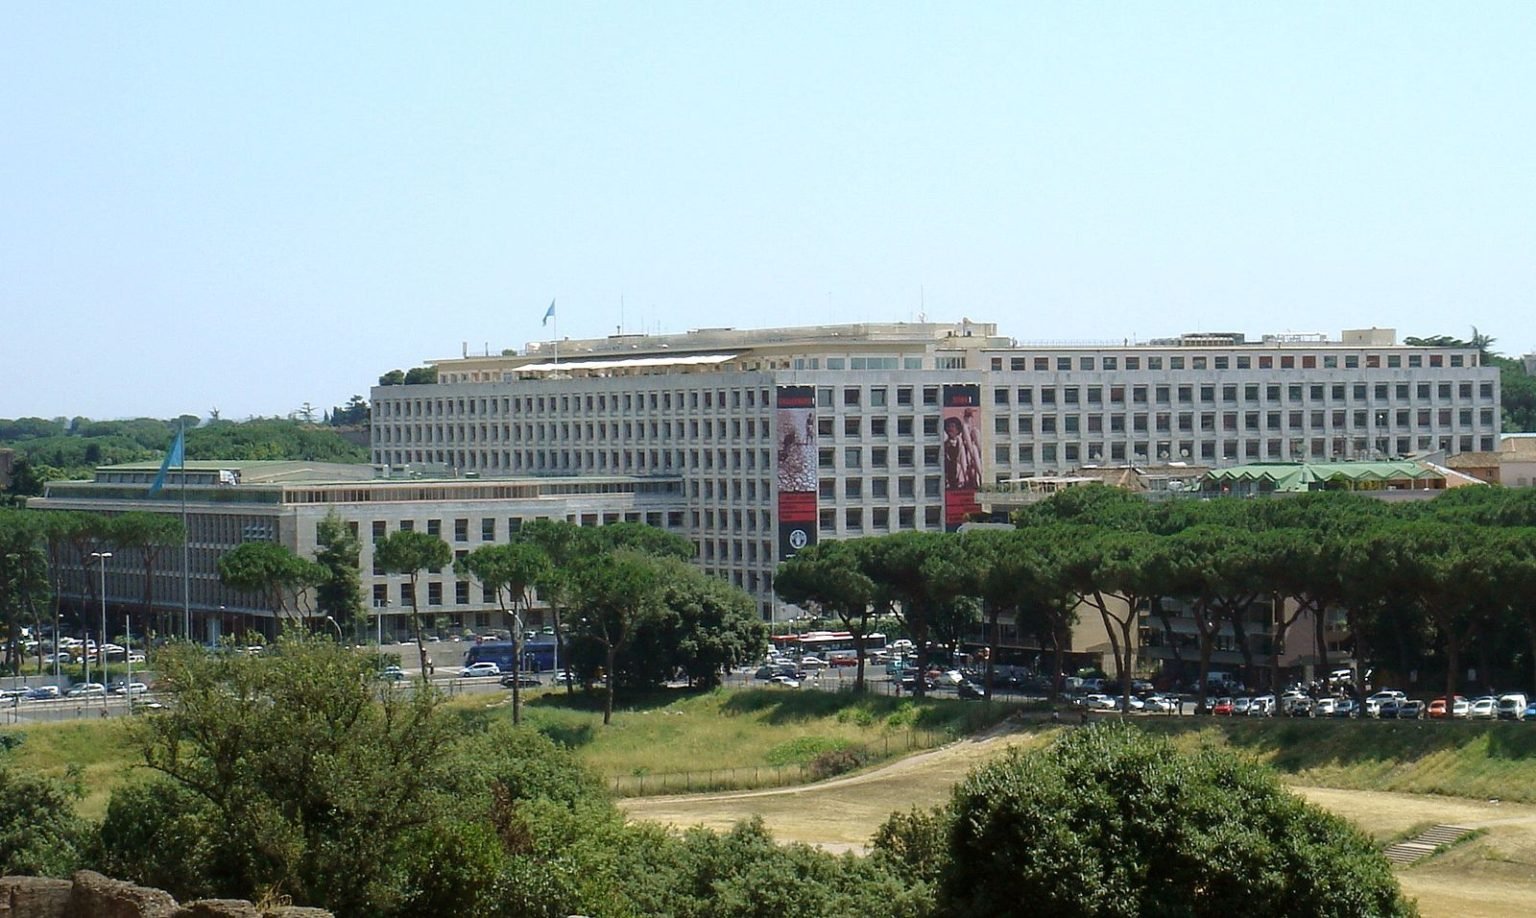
x: 794, y: 437
x: 961, y: 427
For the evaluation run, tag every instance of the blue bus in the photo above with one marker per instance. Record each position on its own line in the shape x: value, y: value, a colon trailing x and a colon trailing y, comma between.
x: 538, y: 654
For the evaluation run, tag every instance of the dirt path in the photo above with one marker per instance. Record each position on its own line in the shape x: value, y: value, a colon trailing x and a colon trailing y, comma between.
x: 1494, y: 875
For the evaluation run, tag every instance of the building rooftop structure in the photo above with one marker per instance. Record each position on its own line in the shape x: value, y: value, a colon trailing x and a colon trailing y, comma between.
x: 1291, y: 477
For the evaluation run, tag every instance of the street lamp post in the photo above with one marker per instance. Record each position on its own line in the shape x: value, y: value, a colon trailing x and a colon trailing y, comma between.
x: 101, y: 640
x: 337, y: 625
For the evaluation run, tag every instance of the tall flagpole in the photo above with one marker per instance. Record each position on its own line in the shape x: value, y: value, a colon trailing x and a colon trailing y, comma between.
x: 186, y: 536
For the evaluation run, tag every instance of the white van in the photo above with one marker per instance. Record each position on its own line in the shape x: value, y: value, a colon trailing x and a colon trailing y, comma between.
x: 1512, y: 706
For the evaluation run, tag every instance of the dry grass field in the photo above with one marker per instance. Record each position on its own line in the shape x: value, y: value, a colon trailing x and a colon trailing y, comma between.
x: 1492, y: 875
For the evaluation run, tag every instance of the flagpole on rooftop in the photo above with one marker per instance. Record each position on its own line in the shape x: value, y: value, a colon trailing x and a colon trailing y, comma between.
x: 186, y: 536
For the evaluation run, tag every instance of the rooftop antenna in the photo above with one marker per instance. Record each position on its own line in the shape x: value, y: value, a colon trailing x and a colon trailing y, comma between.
x: 922, y: 304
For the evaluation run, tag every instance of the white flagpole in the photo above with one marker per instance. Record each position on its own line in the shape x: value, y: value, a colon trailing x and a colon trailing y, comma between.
x: 186, y: 536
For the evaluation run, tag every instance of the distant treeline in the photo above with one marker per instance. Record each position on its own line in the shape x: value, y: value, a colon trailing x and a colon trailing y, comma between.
x: 73, y: 448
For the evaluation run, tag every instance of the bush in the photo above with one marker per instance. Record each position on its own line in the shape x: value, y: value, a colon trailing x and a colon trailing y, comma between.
x: 835, y: 762
x: 1110, y: 822
x: 39, y: 833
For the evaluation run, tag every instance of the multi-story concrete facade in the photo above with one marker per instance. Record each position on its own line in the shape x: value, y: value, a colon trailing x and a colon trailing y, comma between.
x: 784, y: 436
x: 229, y: 503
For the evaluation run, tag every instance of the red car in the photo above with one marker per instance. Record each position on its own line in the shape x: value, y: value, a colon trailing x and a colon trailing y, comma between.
x: 1459, y: 707
x: 1223, y: 707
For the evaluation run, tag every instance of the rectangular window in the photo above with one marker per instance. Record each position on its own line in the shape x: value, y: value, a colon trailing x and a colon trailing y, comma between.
x: 488, y: 529
x: 461, y: 530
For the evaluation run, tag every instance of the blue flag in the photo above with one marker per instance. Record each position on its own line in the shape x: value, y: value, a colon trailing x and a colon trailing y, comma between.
x: 177, y: 457
x: 548, y: 312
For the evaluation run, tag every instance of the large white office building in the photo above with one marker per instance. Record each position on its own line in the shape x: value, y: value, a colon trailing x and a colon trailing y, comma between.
x: 781, y: 437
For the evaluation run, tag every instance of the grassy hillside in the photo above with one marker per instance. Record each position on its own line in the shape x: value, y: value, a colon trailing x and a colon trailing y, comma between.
x: 1459, y: 759
x: 670, y: 732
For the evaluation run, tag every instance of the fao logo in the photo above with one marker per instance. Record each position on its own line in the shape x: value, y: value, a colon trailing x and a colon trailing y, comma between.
x: 798, y: 539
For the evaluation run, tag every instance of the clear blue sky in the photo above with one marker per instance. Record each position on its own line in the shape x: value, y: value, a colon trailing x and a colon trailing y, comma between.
x: 254, y: 206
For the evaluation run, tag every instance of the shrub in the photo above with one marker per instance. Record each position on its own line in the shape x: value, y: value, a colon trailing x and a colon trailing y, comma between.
x: 1110, y: 822
x: 835, y: 762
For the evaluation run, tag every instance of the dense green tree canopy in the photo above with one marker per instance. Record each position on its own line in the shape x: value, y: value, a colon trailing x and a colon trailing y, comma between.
x: 1109, y: 821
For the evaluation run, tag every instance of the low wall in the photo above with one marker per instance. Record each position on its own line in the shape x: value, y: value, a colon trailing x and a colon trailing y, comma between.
x: 91, y: 895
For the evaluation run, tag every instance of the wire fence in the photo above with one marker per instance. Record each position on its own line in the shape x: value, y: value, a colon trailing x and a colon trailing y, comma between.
x: 753, y: 777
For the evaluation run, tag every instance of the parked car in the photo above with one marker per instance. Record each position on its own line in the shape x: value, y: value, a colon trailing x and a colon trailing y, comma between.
x: 1458, y: 707
x: 1484, y: 708
x: 812, y: 663
x: 1512, y: 706
x: 1346, y: 707
x: 1262, y: 706
x: 785, y: 681
x: 1325, y: 706
x: 1412, y: 709
x: 1160, y: 704
x: 1222, y: 707
x: 483, y: 668
x: 969, y: 689
x: 1097, y: 702
x: 1530, y: 711
x: 1373, y: 704
x: 1240, y: 706
x: 1301, y: 707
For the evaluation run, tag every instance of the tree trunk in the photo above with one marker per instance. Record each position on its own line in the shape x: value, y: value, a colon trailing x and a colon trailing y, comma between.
x: 421, y: 645
x: 1240, y: 637
x: 608, y: 696
x: 993, y: 640
x: 1452, y: 662
x: 1207, y: 631
x: 1169, y: 636
x: 920, y: 638
x: 1059, y: 651
x: 1320, y: 626
x: 517, y: 662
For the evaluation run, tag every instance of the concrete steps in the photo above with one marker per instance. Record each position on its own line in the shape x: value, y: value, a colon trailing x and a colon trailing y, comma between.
x: 1424, y: 844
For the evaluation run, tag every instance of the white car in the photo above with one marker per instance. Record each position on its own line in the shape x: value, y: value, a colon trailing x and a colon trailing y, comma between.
x: 1100, y: 702
x: 1373, y: 704
x: 132, y: 688
x: 85, y: 689
x: 811, y: 664
x: 1484, y: 708
x: 786, y: 681
x: 482, y: 668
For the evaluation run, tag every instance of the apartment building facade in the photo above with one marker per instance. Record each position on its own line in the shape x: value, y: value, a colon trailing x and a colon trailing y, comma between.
x: 781, y: 437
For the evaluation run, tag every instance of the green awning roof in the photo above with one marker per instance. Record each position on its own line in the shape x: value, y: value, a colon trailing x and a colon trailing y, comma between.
x: 1299, y: 476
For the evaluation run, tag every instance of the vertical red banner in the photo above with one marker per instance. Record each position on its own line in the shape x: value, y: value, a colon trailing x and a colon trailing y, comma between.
x: 797, y: 480
x: 961, y: 427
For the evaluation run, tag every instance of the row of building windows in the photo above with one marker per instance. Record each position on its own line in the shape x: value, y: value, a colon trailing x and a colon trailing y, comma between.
x: 1277, y: 448
x: 1317, y: 420
x: 1273, y: 393
x: 691, y: 401
x: 1300, y: 361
